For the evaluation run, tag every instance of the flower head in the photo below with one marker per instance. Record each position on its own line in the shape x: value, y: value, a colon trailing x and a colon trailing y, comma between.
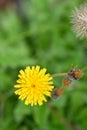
x: 79, y: 21
x: 33, y: 85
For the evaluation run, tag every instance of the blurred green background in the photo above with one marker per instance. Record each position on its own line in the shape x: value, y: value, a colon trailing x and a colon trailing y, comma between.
x: 39, y: 32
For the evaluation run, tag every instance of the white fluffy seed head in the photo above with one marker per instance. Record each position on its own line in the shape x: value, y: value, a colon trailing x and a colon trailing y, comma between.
x: 79, y: 21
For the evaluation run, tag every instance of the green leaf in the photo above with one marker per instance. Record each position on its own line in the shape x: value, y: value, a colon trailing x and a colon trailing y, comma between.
x: 40, y: 114
x: 20, y: 111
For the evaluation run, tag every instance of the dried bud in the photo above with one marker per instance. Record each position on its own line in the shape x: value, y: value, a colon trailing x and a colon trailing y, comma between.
x: 56, y: 92
x: 75, y: 74
x: 79, y: 21
x: 66, y: 81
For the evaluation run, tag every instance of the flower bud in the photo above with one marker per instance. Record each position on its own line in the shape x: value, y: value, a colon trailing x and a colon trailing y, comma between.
x: 56, y: 92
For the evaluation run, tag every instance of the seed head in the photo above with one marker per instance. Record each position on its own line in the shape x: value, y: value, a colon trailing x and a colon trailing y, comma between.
x: 79, y: 21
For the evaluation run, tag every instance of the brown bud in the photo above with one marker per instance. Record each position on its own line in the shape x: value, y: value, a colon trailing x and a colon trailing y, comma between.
x: 75, y: 74
x: 56, y: 92
x: 66, y: 81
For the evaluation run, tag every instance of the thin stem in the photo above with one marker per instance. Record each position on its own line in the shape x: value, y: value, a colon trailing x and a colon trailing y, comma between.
x: 59, y: 74
x: 59, y: 117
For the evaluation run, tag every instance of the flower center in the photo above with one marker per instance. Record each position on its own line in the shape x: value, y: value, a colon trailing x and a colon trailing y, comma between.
x: 33, y: 85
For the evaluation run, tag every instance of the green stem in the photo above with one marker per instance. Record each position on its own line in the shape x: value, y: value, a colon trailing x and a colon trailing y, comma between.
x: 61, y: 119
x: 59, y: 74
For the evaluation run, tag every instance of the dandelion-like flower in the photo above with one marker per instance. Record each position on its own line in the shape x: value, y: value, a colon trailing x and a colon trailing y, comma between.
x: 33, y: 85
x: 79, y: 21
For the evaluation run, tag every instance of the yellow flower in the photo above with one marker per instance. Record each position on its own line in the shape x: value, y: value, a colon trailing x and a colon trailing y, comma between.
x: 33, y: 85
